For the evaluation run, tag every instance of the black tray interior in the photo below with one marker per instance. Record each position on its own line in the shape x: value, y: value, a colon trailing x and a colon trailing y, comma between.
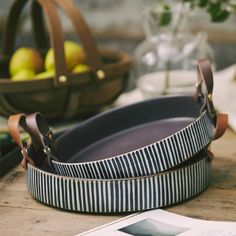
x: 130, y: 139
x: 125, y: 129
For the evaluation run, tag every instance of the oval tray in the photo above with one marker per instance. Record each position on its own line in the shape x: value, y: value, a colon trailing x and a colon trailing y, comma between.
x: 120, y: 195
x: 137, y: 140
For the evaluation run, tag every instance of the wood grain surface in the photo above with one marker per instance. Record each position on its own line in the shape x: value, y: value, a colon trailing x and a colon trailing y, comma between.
x: 20, y: 214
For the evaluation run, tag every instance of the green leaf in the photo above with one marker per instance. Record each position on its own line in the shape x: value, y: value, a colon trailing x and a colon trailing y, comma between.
x: 166, y: 16
x: 217, y: 13
x: 214, y: 8
x: 220, y: 16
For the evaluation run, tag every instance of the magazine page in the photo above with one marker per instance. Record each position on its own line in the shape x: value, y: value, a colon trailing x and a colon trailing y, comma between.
x: 163, y: 223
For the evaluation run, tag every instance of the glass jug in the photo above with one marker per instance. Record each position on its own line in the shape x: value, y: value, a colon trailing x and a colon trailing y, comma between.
x: 166, y: 59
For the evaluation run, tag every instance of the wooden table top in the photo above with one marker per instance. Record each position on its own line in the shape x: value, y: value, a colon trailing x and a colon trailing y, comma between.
x: 20, y: 214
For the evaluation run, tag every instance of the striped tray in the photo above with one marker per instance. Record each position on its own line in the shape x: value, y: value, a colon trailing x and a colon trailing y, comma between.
x: 120, y: 195
x: 138, y: 140
x: 147, y: 155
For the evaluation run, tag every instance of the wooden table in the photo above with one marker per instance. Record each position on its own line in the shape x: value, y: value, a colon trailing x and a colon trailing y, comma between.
x: 22, y: 215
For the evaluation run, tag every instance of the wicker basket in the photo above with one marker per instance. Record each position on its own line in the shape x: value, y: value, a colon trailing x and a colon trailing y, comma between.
x: 66, y: 94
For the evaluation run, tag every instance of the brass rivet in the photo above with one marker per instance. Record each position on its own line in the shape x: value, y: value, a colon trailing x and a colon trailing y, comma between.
x: 101, y: 74
x: 210, y: 97
x: 62, y: 79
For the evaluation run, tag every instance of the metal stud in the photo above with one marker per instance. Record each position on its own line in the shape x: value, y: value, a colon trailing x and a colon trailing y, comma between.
x: 24, y: 152
x: 101, y: 74
x: 210, y: 97
x: 62, y: 79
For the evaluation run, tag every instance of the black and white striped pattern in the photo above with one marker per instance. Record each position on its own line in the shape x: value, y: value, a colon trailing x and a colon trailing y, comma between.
x: 119, y: 195
x: 151, y: 159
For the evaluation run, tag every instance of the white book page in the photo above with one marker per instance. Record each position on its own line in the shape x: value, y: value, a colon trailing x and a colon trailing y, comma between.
x: 163, y: 223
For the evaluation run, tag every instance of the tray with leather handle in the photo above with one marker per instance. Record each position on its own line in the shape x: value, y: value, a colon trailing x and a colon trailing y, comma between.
x: 158, y: 154
x: 137, y: 140
x: 66, y: 94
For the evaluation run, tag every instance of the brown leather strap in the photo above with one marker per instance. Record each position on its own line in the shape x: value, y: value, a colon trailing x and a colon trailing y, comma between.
x: 11, y: 26
x: 88, y: 42
x: 38, y: 128
x: 14, y: 124
x: 221, y: 125
x: 205, y: 77
x: 42, y: 146
x: 41, y: 135
x: 38, y: 27
x: 93, y: 59
x: 56, y: 39
x: 55, y: 32
x: 120, y: 62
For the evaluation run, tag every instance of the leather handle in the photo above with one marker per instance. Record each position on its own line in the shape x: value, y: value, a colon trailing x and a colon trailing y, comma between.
x: 38, y: 25
x: 14, y: 124
x: 41, y: 135
x: 83, y: 31
x: 38, y: 129
x: 42, y: 146
x: 221, y: 125
x: 205, y: 76
x: 56, y: 34
x: 56, y: 40
x: 93, y: 59
x: 11, y: 26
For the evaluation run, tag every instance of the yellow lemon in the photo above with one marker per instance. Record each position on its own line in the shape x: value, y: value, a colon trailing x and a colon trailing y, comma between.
x: 23, y: 75
x: 80, y: 68
x: 74, y: 54
x: 45, y: 75
x: 25, y: 59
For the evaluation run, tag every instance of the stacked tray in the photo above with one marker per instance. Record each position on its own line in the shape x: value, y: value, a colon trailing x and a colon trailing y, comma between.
x: 146, y: 155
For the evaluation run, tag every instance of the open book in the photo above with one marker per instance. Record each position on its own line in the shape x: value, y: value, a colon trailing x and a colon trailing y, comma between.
x: 163, y: 223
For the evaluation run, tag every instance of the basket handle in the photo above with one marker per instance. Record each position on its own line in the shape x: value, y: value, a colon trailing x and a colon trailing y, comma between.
x: 38, y: 25
x: 82, y: 29
x: 73, y: 13
x: 10, y: 27
x: 56, y: 35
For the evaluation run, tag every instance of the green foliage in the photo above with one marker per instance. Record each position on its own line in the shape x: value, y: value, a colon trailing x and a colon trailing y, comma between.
x: 218, y: 10
x: 166, y: 16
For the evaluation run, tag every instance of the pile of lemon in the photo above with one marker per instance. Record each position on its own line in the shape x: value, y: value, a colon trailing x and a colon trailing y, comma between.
x: 27, y: 63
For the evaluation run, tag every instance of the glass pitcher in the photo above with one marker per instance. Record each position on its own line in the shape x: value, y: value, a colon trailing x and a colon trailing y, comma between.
x: 166, y: 59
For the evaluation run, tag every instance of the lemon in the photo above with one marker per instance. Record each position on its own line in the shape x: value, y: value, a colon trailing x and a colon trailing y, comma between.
x: 23, y: 75
x: 74, y: 55
x: 80, y: 68
x: 45, y: 74
x: 25, y: 59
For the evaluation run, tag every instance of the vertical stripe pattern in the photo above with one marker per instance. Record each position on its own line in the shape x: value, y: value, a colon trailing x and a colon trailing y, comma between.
x: 119, y: 195
x: 151, y: 159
